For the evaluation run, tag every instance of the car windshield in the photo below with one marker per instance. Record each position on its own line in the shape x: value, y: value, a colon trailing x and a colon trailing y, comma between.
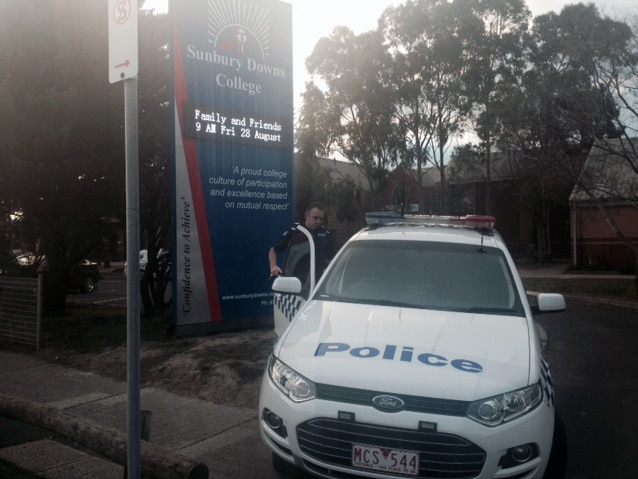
x: 428, y: 275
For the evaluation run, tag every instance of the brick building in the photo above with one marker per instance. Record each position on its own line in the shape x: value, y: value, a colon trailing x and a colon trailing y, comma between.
x: 468, y: 194
x: 609, y: 194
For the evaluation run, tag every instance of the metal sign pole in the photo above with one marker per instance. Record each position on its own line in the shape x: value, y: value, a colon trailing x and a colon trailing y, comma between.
x: 133, y: 277
x: 123, y: 58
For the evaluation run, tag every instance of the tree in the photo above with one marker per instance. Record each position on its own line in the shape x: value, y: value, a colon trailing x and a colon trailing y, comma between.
x: 551, y: 114
x: 64, y: 139
x: 496, y: 46
x: 312, y: 181
x: 313, y: 138
x: 614, y: 177
x: 429, y: 61
x: 357, y: 105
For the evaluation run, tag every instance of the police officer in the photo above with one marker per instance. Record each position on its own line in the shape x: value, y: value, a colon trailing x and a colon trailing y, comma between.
x: 295, y: 243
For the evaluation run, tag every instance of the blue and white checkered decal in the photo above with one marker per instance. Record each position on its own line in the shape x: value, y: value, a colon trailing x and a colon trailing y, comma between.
x: 288, y: 304
x: 547, y: 382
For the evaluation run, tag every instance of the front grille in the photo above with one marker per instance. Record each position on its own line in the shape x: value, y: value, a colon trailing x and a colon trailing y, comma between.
x: 446, y: 407
x: 441, y: 456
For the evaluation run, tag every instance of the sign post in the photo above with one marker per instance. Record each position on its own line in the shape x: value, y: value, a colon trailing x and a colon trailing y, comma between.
x: 123, y: 66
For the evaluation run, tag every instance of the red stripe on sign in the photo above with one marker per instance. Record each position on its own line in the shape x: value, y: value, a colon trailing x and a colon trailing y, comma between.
x: 192, y: 165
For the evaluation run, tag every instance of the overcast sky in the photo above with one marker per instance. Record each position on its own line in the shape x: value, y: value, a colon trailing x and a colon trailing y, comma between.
x: 314, y: 19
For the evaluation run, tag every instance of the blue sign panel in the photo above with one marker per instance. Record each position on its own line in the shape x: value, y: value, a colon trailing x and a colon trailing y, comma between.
x: 232, y: 76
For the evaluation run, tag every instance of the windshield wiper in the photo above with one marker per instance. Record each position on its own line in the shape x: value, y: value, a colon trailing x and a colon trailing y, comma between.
x: 371, y: 301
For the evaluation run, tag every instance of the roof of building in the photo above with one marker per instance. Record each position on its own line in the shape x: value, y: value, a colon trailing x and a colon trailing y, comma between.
x: 340, y: 170
x: 504, y: 165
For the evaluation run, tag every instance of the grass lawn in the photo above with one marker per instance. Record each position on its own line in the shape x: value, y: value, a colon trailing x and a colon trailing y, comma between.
x: 620, y: 289
x: 86, y: 328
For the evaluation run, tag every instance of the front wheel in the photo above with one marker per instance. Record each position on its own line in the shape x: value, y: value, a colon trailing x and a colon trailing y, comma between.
x: 557, y: 465
x: 89, y: 285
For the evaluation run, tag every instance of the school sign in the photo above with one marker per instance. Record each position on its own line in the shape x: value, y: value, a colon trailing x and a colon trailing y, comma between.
x: 233, y: 140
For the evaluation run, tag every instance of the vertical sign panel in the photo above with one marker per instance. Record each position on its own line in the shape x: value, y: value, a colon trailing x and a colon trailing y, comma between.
x: 122, y: 39
x: 232, y: 74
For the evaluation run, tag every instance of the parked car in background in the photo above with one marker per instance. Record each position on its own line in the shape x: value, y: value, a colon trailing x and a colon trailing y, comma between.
x: 163, y: 261
x: 84, y: 276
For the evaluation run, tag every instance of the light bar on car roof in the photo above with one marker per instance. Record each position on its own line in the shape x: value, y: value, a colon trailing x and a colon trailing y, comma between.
x: 472, y: 221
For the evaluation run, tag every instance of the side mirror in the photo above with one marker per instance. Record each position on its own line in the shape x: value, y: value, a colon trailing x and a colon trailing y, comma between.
x: 286, y: 284
x: 550, y: 303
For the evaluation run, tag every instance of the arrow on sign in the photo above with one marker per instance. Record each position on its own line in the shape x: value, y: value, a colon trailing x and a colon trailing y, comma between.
x: 123, y: 65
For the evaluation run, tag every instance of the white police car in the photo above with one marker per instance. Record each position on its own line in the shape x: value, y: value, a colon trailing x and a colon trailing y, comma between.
x: 416, y: 355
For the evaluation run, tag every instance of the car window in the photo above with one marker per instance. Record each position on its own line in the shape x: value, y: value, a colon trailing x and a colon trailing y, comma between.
x: 455, y: 277
x: 297, y: 260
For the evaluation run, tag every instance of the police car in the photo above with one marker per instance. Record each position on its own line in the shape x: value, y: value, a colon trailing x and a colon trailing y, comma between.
x: 416, y: 355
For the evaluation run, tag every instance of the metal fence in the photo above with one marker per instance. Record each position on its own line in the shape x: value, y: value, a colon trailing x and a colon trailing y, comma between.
x: 21, y: 310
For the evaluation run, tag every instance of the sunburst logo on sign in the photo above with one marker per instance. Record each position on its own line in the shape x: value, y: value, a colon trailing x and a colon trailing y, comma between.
x: 239, y: 28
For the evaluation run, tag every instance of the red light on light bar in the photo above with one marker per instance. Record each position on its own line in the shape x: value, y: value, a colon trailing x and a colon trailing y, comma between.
x: 476, y: 221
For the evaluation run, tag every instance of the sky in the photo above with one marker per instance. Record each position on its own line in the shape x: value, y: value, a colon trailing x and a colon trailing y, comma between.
x: 314, y: 19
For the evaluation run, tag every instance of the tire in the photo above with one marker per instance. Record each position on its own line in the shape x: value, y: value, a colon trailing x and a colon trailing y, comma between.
x: 89, y: 285
x: 283, y: 467
x: 557, y: 465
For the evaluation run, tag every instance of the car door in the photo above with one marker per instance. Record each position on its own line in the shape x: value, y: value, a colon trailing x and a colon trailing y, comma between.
x: 292, y: 290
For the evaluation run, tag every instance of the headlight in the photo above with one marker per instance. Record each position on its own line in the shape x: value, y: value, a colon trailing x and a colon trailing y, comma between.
x: 505, y: 407
x: 291, y: 383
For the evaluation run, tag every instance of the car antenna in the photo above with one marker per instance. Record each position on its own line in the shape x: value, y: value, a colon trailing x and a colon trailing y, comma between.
x: 482, y: 248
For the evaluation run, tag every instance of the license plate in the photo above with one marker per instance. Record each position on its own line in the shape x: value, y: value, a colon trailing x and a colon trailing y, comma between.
x: 384, y: 459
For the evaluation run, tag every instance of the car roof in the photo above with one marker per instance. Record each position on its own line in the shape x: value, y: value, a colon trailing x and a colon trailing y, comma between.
x: 471, y: 229
x: 430, y: 233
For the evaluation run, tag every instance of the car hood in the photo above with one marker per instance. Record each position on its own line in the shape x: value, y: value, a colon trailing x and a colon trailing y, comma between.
x: 440, y: 354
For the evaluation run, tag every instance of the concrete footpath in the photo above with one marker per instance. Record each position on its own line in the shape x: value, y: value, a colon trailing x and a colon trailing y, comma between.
x: 85, y: 418
x: 61, y: 423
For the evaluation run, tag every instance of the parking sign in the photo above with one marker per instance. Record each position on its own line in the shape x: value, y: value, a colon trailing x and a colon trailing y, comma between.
x: 122, y: 39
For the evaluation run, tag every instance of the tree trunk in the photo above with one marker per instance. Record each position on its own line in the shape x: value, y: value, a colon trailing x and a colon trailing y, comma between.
x: 54, y: 293
x: 541, y: 239
x: 444, y: 202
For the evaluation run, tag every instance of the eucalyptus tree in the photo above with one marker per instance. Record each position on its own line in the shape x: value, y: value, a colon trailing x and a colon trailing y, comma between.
x: 564, y: 52
x: 314, y: 182
x: 496, y: 31
x: 357, y: 104
x: 620, y: 75
x: 312, y: 138
x: 610, y: 176
x: 616, y: 73
x: 551, y: 117
x: 428, y: 45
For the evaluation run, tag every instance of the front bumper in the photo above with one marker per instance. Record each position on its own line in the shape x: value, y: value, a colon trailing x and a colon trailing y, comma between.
x: 318, y: 435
